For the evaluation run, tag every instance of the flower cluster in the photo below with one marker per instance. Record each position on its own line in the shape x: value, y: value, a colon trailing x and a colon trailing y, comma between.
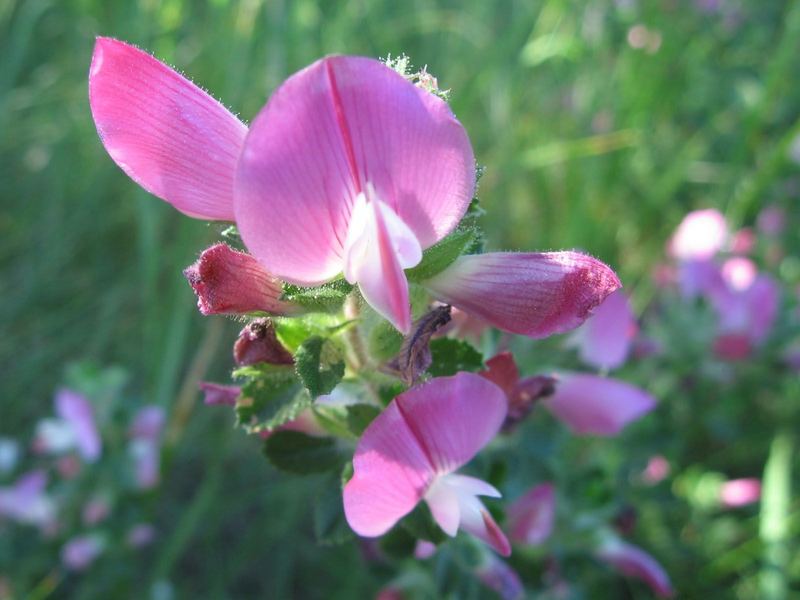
x: 358, y: 265
x: 87, y: 468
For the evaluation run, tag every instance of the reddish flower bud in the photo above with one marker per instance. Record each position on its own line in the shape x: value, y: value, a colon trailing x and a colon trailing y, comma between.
x: 230, y: 282
x: 258, y: 343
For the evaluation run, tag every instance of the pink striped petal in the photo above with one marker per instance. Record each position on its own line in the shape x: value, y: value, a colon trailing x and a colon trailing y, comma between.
x: 533, y: 294
x: 594, y: 405
x: 428, y: 431
x: 532, y: 517
x: 327, y: 132
x: 632, y: 561
x: 75, y: 409
x: 167, y: 134
x: 605, y: 339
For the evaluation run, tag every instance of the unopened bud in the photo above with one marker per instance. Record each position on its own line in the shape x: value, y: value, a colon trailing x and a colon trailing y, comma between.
x: 258, y: 343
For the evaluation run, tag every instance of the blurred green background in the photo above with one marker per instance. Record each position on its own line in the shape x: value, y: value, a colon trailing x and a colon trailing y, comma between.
x: 599, y: 123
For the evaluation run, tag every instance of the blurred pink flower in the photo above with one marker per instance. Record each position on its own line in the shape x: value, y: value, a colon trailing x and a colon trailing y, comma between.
x: 500, y: 578
x: 700, y: 235
x: 75, y: 428
x: 657, y: 470
x: 96, y: 510
x: 740, y: 492
x: 215, y: 393
x: 532, y: 516
x: 594, y: 405
x: 81, y: 551
x: 140, y: 535
x: 772, y: 220
x: 743, y: 241
x: 26, y: 500
x: 631, y: 561
x: 605, y: 339
x: 145, y: 446
x: 411, y: 450
x: 424, y: 550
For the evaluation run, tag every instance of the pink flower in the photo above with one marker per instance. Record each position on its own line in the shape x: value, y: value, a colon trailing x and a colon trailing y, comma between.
x: 632, y: 561
x: 140, y: 535
x: 26, y: 501
x: 740, y: 492
x: 772, y: 220
x: 230, y: 282
x: 96, y: 510
x: 81, y: 551
x: 656, y: 470
x: 145, y: 446
x: 699, y: 236
x: 356, y: 169
x: 605, y: 339
x: 532, y: 516
x: 593, y: 405
x: 411, y: 450
x: 74, y: 428
x: 533, y: 294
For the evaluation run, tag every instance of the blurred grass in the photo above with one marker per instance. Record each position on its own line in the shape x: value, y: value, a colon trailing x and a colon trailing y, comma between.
x: 588, y: 143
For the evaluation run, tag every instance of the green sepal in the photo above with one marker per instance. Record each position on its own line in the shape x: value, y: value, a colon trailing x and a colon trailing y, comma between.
x: 330, y: 524
x: 420, y: 524
x: 296, y: 452
x: 319, y: 366
x: 452, y: 356
x: 270, y: 397
x: 359, y: 416
x: 442, y: 254
x: 323, y: 298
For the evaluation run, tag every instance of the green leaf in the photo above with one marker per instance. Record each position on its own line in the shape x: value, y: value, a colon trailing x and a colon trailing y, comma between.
x: 318, y: 365
x: 451, y: 356
x: 270, y: 397
x: 302, y: 454
x: 398, y: 543
x: 441, y: 255
x: 293, y: 331
x: 330, y: 524
x: 323, y: 298
x: 359, y: 416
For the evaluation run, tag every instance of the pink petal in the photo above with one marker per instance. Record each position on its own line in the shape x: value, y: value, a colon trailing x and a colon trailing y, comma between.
x: 230, y: 282
x: 632, y: 561
x: 148, y: 423
x: 589, y: 404
x: 216, y: 393
x: 763, y: 299
x: 377, y: 249
x: 430, y: 430
x: 532, y: 517
x: 167, y: 134
x: 700, y: 235
x: 740, y: 492
x: 533, y: 294
x: 327, y: 132
x: 604, y: 340
x: 75, y: 409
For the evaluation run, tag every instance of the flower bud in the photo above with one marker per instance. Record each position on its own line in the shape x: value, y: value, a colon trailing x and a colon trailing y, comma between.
x: 230, y: 282
x: 258, y: 343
